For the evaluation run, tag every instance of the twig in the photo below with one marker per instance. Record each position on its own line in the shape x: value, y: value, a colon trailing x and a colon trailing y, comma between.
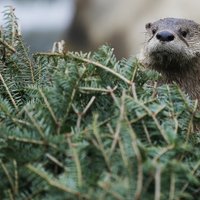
x: 138, y: 155
x: 16, y: 176
x: 37, y: 126
x: 55, y: 183
x: 162, y: 152
x: 48, y: 106
x: 113, y: 193
x: 197, y: 167
x: 55, y: 160
x: 9, y: 94
x: 118, y: 127
x: 146, y: 132
x: 172, y: 187
x: 100, y: 66
x: 155, y: 120
x: 4, y: 43
x: 7, y: 175
x: 77, y: 162
x: 31, y: 141
x: 158, y: 182
x: 99, y: 144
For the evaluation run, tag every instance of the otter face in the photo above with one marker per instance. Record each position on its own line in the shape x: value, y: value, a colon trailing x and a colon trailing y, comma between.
x: 171, y: 44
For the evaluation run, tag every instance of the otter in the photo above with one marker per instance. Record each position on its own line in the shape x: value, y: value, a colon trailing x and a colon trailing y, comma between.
x: 172, y: 47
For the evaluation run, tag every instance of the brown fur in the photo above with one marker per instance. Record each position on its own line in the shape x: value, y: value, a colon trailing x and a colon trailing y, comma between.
x: 177, y: 60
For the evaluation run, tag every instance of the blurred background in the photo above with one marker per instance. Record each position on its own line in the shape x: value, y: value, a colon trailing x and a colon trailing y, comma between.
x: 87, y: 24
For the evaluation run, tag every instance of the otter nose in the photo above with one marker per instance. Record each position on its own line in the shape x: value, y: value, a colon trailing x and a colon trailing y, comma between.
x: 165, y: 36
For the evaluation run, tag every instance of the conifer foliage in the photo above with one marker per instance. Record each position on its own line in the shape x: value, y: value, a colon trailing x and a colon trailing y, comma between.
x: 86, y: 126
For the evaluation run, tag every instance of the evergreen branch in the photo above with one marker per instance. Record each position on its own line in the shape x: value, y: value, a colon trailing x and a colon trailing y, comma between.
x: 52, y: 182
x: 133, y: 121
x: 89, y: 89
x: 134, y: 91
x: 88, y: 61
x: 135, y: 72
x: 146, y: 132
x: 118, y: 127
x: 55, y: 183
x: 19, y: 121
x: 155, y: 120
x: 99, y: 143
x: 100, y: 66
x: 7, y: 90
x: 6, y: 171
x: 88, y: 105
x: 11, y: 197
x: 77, y: 162
x: 132, y: 133
x: 173, y: 111
x: 31, y: 141
x: 55, y: 160
x: 49, y: 54
x: 35, y: 194
x: 81, y: 114
x: 74, y: 90
x: 121, y: 146
x: 48, y: 106
x: 162, y: 152
x: 16, y: 178
x: 172, y: 187
x: 27, y: 58
x: 5, y: 44
x: 114, y: 194
x: 123, y: 154
x: 196, y: 167
x: 36, y: 125
x: 158, y: 182
x: 190, y: 125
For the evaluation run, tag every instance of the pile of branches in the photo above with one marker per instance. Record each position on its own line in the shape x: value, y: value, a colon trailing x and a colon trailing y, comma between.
x: 86, y: 126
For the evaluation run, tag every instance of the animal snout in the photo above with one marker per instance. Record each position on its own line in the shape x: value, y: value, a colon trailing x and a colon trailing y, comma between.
x: 165, y: 36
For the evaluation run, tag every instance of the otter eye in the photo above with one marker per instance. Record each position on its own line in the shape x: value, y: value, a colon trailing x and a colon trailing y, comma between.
x: 148, y: 25
x: 184, y: 33
x: 153, y: 31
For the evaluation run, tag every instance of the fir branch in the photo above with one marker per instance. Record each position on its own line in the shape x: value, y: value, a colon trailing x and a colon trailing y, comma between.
x: 6, y: 45
x: 48, y: 106
x: 162, y: 152
x: 158, y: 182
x: 26, y: 57
x: 81, y: 114
x: 132, y: 133
x: 118, y: 127
x: 16, y: 177
x: 89, y: 89
x: 196, y: 167
x: 36, y: 125
x: 114, y: 194
x: 55, y: 160
x: 8, y: 91
x: 99, y: 143
x: 155, y: 120
x: 100, y: 66
x: 77, y: 162
x: 55, y: 183
x: 172, y: 187
x: 6, y: 171
x: 31, y: 141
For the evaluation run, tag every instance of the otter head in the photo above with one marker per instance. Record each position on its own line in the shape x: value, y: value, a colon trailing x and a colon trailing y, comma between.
x: 172, y: 45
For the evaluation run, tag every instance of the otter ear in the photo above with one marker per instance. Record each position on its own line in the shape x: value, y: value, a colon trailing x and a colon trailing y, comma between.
x: 148, y: 25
